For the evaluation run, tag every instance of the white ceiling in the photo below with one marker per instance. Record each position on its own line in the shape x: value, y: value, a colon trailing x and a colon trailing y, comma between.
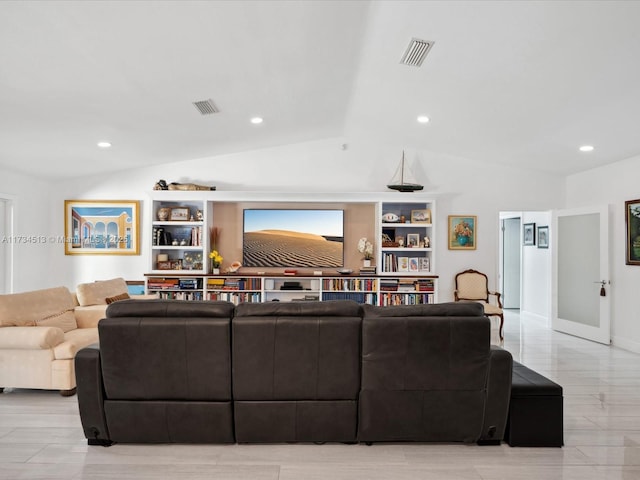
x: 517, y: 83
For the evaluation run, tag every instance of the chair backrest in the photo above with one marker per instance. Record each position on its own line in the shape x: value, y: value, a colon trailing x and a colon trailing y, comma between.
x: 472, y: 285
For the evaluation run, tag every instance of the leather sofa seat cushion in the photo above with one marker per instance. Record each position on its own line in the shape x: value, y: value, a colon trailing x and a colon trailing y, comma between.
x: 158, y: 350
x: 28, y: 308
x: 96, y: 293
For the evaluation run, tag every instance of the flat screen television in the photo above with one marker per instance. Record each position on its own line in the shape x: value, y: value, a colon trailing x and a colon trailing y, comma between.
x: 311, y: 238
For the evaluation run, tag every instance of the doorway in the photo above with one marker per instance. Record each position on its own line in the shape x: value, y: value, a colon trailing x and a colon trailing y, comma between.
x: 511, y: 262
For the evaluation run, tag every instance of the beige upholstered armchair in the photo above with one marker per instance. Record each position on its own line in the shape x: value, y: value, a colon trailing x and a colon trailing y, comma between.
x: 473, y: 286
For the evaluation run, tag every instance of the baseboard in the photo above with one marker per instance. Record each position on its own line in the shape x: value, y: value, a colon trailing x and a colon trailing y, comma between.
x: 626, y: 344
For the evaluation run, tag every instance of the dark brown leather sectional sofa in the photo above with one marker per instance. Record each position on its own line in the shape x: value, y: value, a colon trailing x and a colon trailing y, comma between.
x: 208, y: 372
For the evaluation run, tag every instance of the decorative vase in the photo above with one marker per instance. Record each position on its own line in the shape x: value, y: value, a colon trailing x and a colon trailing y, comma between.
x: 366, y: 263
x: 216, y: 271
x: 463, y: 240
x: 163, y: 214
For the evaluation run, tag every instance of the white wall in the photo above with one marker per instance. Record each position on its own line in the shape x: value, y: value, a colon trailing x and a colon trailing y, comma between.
x: 614, y: 184
x: 536, y: 270
x: 32, y: 245
x: 460, y: 186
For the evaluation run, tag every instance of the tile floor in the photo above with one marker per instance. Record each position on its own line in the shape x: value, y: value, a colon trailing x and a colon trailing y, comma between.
x: 41, y: 437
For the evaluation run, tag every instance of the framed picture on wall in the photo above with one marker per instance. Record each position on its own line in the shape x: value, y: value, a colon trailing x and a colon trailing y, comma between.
x: 462, y: 232
x: 529, y: 234
x: 101, y: 227
x: 632, y: 221
x: 543, y: 237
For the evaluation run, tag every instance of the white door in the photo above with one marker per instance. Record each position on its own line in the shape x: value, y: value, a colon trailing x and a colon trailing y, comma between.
x: 580, y: 243
x: 511, y: 248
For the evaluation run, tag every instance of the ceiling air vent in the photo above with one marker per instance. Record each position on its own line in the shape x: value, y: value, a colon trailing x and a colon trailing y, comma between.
x: 416, y: 51
x: 206, y: 107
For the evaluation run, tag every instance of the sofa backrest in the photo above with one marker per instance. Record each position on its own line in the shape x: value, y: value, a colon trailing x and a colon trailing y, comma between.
x: 296, y: 351
x: 166, y: 350
x: 47, y: 307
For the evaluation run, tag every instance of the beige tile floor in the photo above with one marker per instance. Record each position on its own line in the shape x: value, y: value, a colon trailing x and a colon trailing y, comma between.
x: 41, y: 437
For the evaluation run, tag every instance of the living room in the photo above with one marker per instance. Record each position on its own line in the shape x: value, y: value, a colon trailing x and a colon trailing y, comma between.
x: 350, y: 148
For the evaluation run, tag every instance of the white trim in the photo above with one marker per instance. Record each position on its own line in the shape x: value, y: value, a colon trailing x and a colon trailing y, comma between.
x: 626, y: 344
x: 10, y: 205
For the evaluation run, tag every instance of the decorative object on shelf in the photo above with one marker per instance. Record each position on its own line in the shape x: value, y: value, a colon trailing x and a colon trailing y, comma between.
x: 403, y: 180
x: 390, y: 218
x: 199, y: 216
x: 163, y: 185
x: 421, y: 216
x: 365, y: 247
x: 101, y: 227
x: 387, y: 242
x: 632, y: 222
x: 543, y: 236
x: 529, y: 234
x: 216, y: 261
x: 427, y: 242
x: 462, y: 232
x: 163, y: 214
x: 179, y: 214
x: 413, y: 239
x: 234, y: 267
x: 344, y: 271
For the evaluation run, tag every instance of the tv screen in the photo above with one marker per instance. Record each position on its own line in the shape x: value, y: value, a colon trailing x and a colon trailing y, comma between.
x: 293, y: 238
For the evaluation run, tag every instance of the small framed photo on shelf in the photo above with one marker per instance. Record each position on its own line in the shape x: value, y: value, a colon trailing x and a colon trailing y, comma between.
x: 414, y: 264
x: 543, y: 237
x: 400, y: 240
x: 179, y: 214
x: 529, y: 234
x: 421, y: 216
x: 413, y: 239
x: 403, y: 264
x: 425, y: 264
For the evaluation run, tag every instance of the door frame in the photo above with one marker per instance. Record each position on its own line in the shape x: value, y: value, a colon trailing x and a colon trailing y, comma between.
x: 9, y: 207
x: 502, y: 216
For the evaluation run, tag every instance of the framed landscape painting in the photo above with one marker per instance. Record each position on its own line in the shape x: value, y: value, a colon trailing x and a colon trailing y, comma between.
x: 462, y: 232
x: 632, y: 221
x: 101, y: 227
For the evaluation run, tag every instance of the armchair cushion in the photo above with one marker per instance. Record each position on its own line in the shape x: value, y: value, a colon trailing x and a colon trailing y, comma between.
x: 65, y: 321
x: 74, y: 341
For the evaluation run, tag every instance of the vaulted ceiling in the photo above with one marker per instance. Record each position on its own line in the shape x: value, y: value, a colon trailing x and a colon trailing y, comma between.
x: 518, y: 83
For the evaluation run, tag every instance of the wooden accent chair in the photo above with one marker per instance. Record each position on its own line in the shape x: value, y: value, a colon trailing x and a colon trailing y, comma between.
x: 473, y: 286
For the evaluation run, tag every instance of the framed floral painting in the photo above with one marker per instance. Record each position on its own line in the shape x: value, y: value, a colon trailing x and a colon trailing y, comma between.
x: 101, y: 227
x: 462, y: 232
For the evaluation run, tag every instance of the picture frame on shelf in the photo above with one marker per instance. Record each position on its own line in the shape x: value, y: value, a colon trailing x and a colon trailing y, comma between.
x: 413, y: 240
x: 101, y: 227
x: 462, y: 232
x: 179, y: 214
x: 425, y: 264
x: 421, y: 216
x: 632, y: 237
x: 529, y: 234
x: 414, y: 264
x: 543, y: 236
x: 400, y: 240
x: 403, y: 264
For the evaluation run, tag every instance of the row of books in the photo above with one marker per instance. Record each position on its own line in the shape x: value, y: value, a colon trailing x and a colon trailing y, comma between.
x: 370, y: 298
x: 158, y: 283
x: 406, y: 299
x: 196, y: 295
x: 394, y: 263
x: 350, y: 284
x: 236, y: 297
x: 234, y: 283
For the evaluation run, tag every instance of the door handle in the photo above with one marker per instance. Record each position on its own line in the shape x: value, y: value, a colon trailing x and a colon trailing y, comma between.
x: 603, y: 292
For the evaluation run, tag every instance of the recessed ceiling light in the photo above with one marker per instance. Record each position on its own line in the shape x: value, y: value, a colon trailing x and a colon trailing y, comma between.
x: 256, y: 120
x: 104, y: 144
x: 586, y: 148
x: 423, y: 119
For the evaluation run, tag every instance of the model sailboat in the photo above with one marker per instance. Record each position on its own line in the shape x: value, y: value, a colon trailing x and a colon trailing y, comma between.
x: 402, y: 180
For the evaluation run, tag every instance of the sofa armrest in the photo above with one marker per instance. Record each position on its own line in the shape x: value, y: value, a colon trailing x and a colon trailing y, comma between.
x: 91, y: 395
x: 30, y: 338
x: 498, y: 395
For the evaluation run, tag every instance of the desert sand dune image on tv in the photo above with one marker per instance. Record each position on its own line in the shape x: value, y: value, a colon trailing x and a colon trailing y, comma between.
x: 293, y: 238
